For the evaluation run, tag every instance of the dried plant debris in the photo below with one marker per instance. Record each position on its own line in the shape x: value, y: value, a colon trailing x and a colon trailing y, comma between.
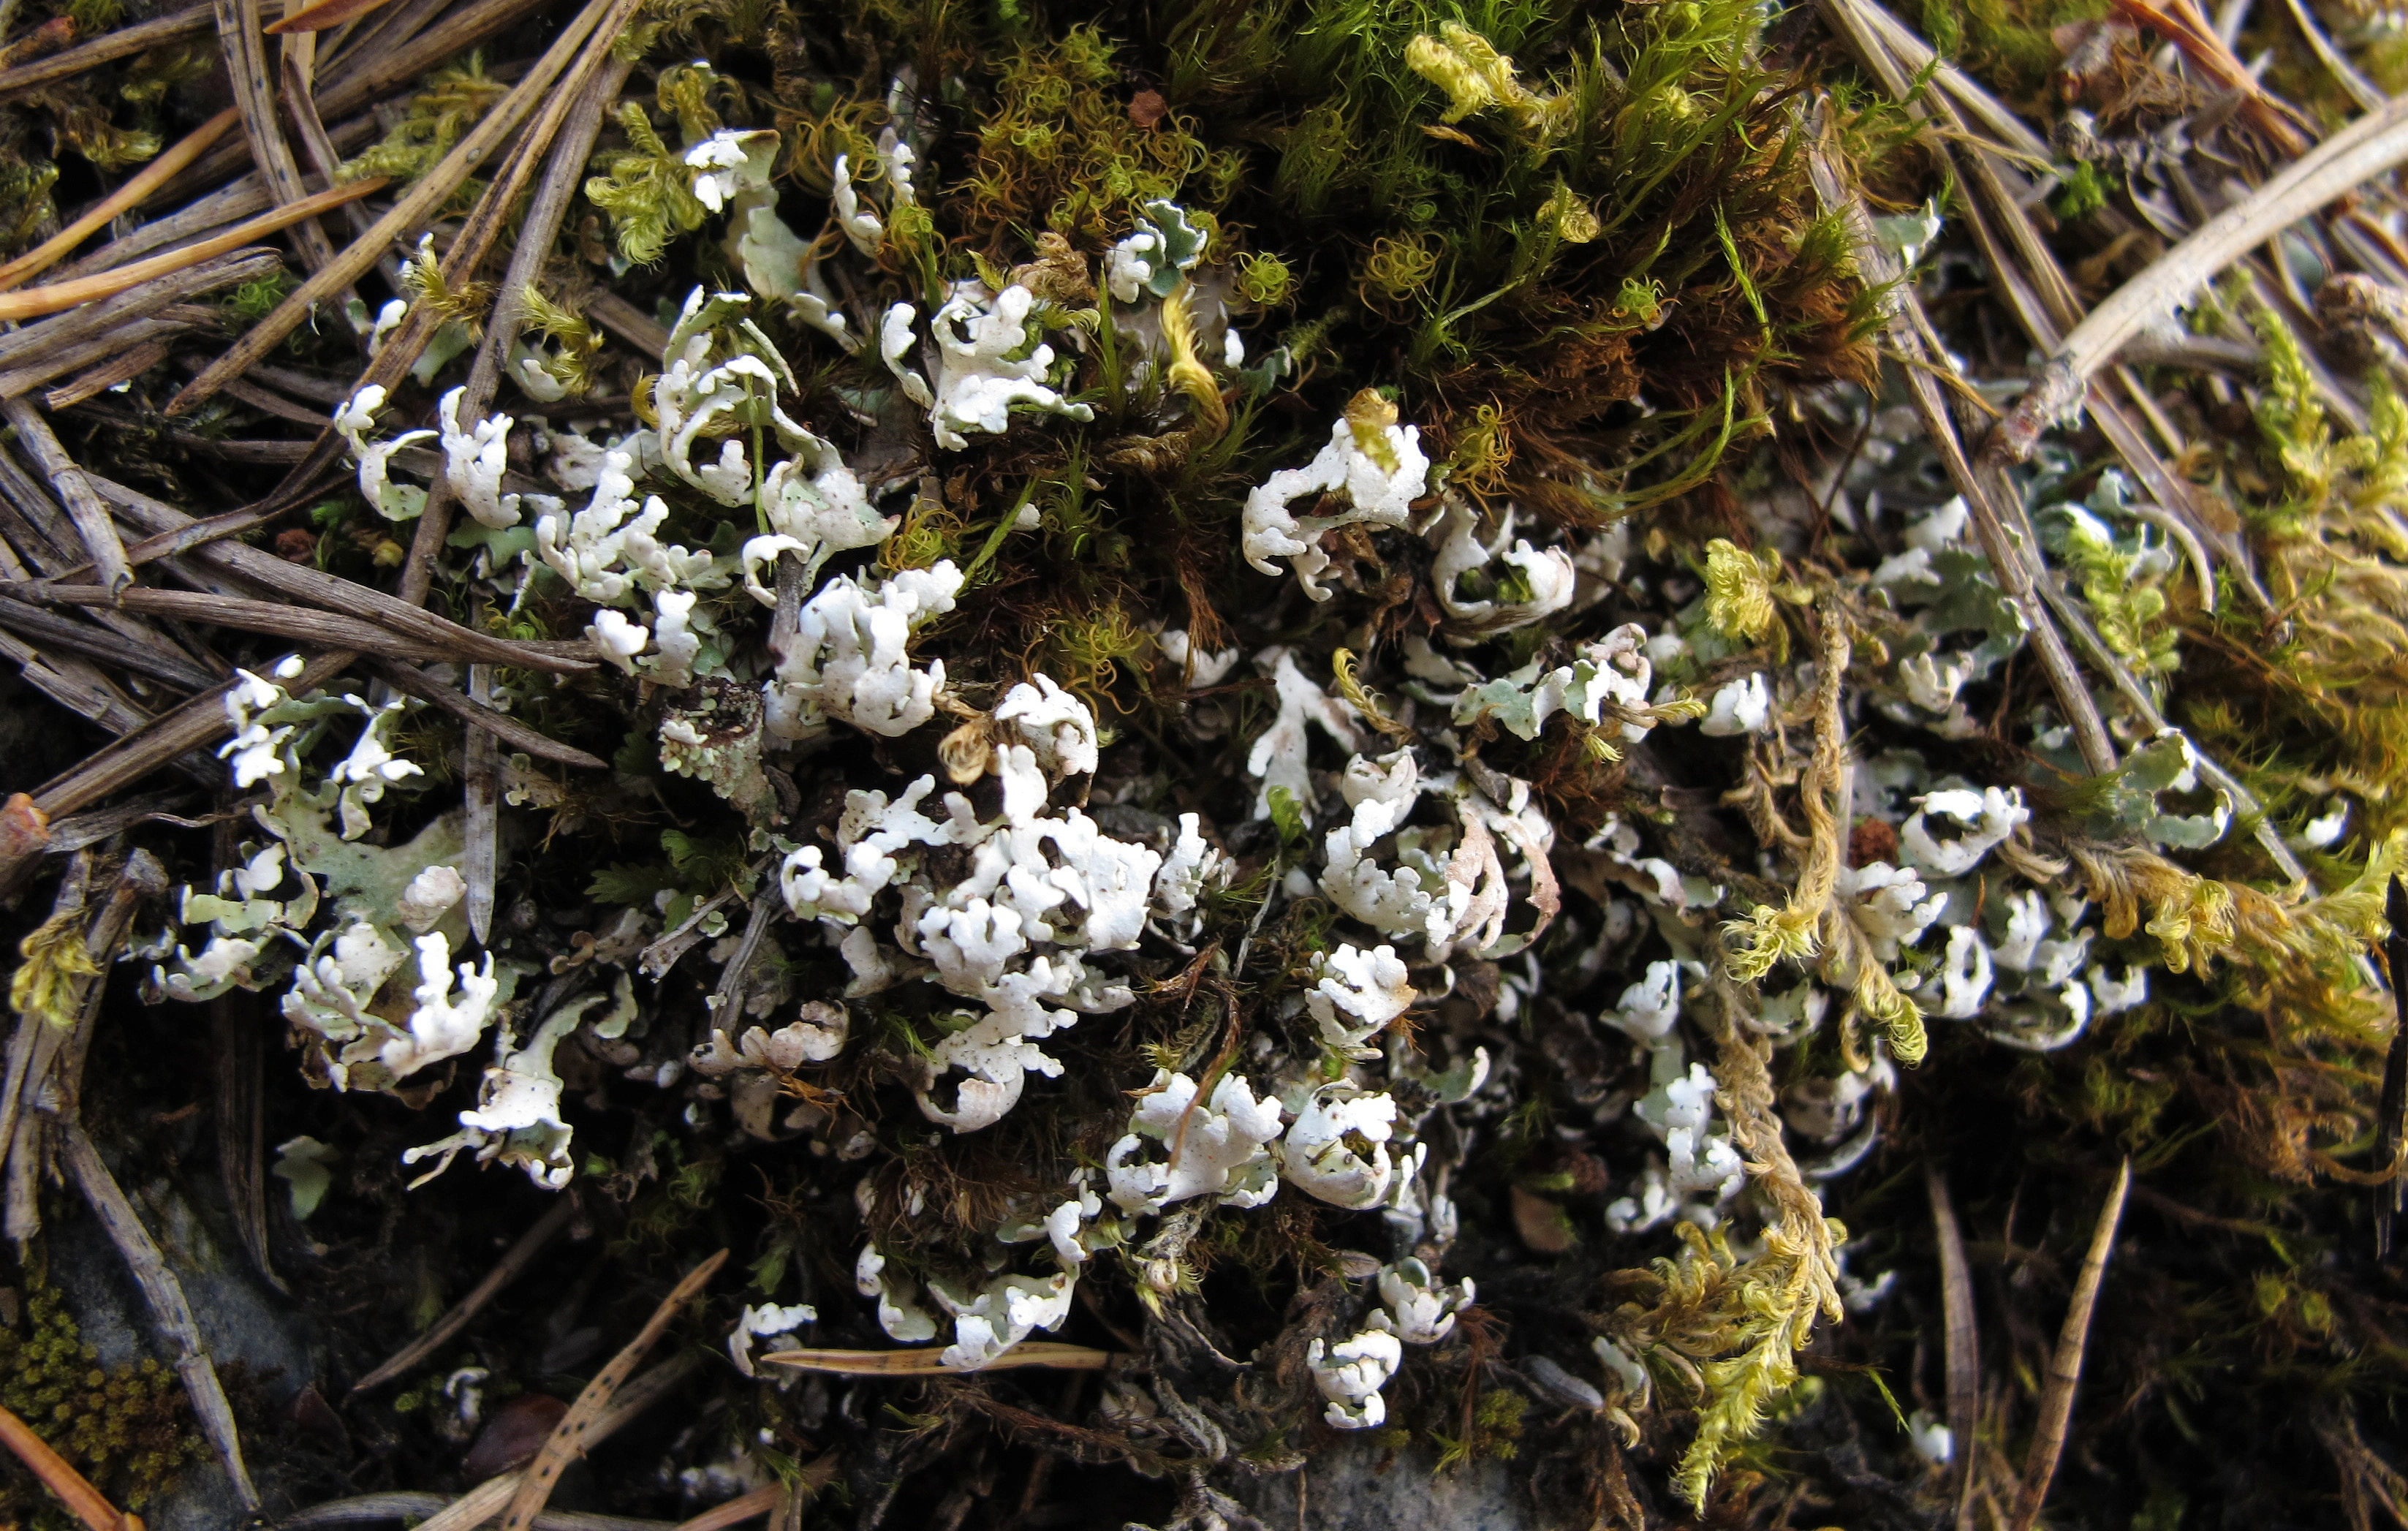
x: 1340, y: 712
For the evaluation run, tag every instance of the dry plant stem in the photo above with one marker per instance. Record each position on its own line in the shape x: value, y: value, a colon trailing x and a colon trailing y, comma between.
x: 407, y: 214
x: 1963, y: 1352
x: 512, y: 1265
x: 552, y: 194
x: 925, y: 1363
x: 254, y: 97
x: 165, y: 1296
x: 59, y: 1475
x: 124, y: 199
x: 121, y: 43
x: 74, y: 685
x: 33, y: 1052
x: 575, y: 119
x: 569, y: 1437
x: 1918, y: 56
x: 360, y: 79
x: 34, y: 302
x: 93, y: 319
x: 501, y: 726
x: 2204, y: 48
x: 2369, y: 148
x: 737, y: 1510
x: 272, y: 618
x: 84, y: 508
x: 332, y: 591
x: 100, y: 644
x: 2065, y: 1366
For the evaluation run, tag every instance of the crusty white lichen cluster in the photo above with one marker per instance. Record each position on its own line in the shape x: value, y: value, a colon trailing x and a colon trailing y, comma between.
x: 1011, y: 895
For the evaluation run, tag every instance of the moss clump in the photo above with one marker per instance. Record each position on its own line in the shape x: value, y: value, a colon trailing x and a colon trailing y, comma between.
x: 127, y: 1429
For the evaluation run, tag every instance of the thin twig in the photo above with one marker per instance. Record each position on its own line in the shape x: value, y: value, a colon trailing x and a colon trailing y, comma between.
x: 571, y: 1436
x: 1963, y: 1342
x: 142, y: 333
x: 926, y: 1362
x: 124, y: 368
x: 100, y: 644
x: 2006, y: 554
x: 2369, y: 148
x: 2065, y: 1366
x: 737, y: 1510
x: 324, y: 16
x: 512, y: 1264
x: 2359, y: 88
x: 235, y: 1033
x: 165, y: 1296
x: 124, y: 199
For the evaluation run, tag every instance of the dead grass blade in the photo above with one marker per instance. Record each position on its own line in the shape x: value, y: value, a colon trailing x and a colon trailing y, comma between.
x: 569, y: 1437
x: 2065, y: 1366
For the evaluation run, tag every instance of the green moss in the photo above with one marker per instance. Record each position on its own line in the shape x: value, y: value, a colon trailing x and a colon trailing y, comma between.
x: 127, y: 1429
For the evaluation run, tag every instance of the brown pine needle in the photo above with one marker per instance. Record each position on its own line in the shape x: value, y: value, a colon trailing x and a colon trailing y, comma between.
x: 34, y: 302
x: 126, y: 197
x: 567, y: 1441
x: 2065, y: 1366
x: 89, y: 1506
